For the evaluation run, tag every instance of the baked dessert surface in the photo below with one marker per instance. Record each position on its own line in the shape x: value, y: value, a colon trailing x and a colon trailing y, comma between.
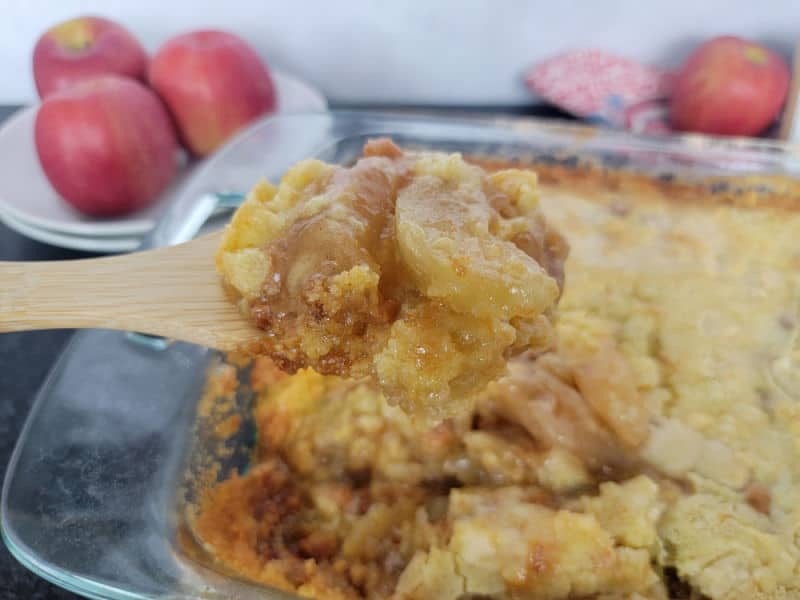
x: 653, y: 453
x: 416, y: 269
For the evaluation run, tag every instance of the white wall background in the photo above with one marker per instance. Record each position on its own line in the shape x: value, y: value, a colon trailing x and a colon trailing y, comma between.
x: 466, y: 51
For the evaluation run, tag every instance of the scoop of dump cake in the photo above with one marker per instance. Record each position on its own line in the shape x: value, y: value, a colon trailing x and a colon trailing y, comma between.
x: 419, y: 270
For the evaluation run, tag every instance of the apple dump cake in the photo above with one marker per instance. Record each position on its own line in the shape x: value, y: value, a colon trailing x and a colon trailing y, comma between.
x: 652, y: 452
x: 418, y: 269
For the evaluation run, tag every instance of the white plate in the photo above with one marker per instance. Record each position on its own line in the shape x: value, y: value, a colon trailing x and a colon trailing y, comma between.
x: 27, y: 196
x: 73, y: 242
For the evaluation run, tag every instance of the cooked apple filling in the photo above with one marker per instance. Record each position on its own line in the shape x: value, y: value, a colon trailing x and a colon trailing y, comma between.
x: 418, y: 270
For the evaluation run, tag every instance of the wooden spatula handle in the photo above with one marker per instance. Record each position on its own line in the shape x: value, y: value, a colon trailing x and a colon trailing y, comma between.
x: 173, y: 292
x: 43, y: 295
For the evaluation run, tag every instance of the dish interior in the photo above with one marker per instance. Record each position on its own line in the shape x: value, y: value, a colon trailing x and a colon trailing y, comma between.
x: 653, y: 440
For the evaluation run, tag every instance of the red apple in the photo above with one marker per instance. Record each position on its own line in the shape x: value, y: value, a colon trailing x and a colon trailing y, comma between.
x: 729, y: 86
x: 214, y: 84
x: 83, y: 48
x: 107, y: 145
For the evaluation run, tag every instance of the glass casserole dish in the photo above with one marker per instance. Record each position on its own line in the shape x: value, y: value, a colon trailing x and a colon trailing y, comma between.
x: 92, y: 499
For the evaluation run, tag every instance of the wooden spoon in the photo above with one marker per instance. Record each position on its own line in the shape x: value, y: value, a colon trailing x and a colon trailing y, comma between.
x: 173, y: 292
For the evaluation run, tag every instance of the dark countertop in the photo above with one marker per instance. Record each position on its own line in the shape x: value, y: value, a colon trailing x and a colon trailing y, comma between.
x: 26, y: 358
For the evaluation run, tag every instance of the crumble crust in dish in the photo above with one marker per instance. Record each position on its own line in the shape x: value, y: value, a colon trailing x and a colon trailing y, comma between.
x: 417, y: 269
x: 652, y: 453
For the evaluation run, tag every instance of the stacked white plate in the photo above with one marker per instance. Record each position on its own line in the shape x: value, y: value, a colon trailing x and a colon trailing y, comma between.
x: 30, y: 206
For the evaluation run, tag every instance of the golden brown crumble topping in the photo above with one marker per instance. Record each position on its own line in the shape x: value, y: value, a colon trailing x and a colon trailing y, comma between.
x: 652, y: 453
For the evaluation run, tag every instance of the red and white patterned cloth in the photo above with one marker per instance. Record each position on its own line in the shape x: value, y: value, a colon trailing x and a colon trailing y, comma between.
x: 604, y: 88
